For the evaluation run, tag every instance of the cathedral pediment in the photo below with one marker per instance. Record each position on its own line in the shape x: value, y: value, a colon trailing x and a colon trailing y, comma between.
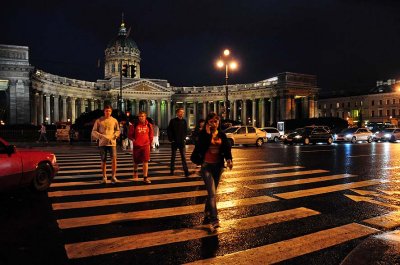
x: 145, y: 86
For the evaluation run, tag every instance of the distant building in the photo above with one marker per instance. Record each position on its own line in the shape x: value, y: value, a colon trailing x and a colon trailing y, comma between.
x: 381, y: 104
x: 35, y: 96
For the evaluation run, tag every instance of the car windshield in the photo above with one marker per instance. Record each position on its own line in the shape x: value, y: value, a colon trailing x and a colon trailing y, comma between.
x: 388, y: 130
x: 300, y: 130
x: 231, y: 130
x: 350, y: 130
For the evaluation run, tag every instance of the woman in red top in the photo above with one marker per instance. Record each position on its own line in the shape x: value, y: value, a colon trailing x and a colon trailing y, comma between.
x: 141, y: 134
x: 213, y: 149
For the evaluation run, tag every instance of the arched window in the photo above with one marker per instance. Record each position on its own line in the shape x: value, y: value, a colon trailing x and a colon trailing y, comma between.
x: 113, y: 68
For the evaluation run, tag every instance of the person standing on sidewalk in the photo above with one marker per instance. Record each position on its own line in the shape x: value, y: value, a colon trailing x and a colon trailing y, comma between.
x: 42, y: 134
x: 106, y: 130
x: 213, y: 147
x: 141, y: 134
x: 177, y: 132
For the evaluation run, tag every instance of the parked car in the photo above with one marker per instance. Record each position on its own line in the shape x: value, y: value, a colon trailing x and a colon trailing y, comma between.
x: 246, y: 135
x: 395, y: 136
x: 353, y: 135
x: 62, y: 133
x: 384, y: 135
x: 309, y: 134
x: 272, y: 133
x: 19, y: 168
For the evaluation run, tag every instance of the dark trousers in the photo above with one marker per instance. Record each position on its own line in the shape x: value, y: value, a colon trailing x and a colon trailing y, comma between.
x: 182, y: 151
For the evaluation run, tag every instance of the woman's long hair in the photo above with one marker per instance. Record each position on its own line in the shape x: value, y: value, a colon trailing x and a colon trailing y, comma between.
x: 210, y: 116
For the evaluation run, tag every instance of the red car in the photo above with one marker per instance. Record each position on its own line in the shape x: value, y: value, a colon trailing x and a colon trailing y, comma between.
x: 25, y: 167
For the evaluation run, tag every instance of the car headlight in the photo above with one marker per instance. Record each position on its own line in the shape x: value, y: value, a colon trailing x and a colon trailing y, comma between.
x: 298, y: 136
x: 54, y: 160
x: 387, y: 135
x: 349, y: 135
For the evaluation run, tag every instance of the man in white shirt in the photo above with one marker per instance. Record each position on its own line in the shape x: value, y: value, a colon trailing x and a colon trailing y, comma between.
x: 106, y: 130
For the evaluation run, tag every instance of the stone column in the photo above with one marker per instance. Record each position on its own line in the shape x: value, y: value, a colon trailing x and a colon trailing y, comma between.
x: 91, y: 108
x: 215, y: 106
x: 48, y: 114
x: 244, y: 112
x: 195, y: 112
x: 186, y: 115
x: 101, y: 104
x: 148, y: 105
x: 73, y: 110
x: 234, y: 117
x: 64, y: 108
x: 204, y: 109
x: 272, y: 111
x: 253, y: 111
x: 56, y: 108
x: 158, y: 113
x: 82, y: 105
x: 169, y: 109
x: 262, y: 102
x: 137, y: 104
x: 35, y: 109
x: 40, y: 108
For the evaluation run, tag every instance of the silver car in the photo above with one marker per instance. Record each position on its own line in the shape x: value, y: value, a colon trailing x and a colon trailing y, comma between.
x: 354, y: 135
x: 245, y: 135
x: 272, y: 133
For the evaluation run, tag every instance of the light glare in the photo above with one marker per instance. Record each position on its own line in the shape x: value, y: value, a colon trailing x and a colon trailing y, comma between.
x: 226, y: 52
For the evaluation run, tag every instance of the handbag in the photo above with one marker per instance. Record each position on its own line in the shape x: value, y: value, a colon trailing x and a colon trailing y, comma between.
x: 196, y: 157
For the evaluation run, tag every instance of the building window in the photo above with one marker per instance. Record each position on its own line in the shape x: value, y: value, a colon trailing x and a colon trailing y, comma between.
x: 337, y: 105
x: 355, y: 104
x: 394, y: 101
x: 113, y: 68
x: 380, y: 113
x: 342, y: 104
x: 319, y: 106
x: 330, y: 106
x: 372, y: 102
x: 387, y: 102
x: 372, y: 113
x: 342, y: 114
x: 387, y: 112
x: 380, y: 102
x: 348, y: 104
x: 393, y: 112
x: 324, y: 106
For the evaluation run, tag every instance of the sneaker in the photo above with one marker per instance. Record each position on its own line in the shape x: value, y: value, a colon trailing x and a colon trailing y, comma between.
x: 211, y: 228
x: 215, y: 224
x: 146, y: 180
x: 104, y: 181
x: 114, y: 180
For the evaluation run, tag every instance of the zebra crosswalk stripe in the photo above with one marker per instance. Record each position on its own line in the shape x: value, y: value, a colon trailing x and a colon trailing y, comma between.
x: 111, y: 245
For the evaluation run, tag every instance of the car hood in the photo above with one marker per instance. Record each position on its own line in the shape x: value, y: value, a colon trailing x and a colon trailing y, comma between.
x: 37, y: 154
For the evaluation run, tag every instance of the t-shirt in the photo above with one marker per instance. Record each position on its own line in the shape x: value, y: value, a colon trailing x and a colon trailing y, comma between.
x: 106, y: 130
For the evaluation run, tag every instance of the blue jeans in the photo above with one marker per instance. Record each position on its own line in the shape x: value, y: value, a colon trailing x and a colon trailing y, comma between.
x: 211, y: 174
x: 182, y: 151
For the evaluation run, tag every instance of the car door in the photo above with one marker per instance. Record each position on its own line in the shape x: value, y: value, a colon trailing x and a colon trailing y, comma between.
x: 240, y: 136
x: 10, y: 168
x: 363, y: 134
x: 252, y: 135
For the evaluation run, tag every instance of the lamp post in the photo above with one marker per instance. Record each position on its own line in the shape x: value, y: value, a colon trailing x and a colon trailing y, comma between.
x: 227, y: 62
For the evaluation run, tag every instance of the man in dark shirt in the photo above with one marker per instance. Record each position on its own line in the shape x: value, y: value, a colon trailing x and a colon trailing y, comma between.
x: 177, y: 131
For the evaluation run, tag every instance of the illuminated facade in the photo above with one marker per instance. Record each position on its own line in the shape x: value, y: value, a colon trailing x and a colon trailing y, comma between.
x: 51, y: 98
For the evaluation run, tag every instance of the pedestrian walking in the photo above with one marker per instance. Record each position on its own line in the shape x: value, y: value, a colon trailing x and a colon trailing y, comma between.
x: 124, y: 135
x: 213, y: 149
x: 156, y: 142
x: 141, y: 134
x: 43, y: 134
x: 106, y: 131
x: 177, y: 131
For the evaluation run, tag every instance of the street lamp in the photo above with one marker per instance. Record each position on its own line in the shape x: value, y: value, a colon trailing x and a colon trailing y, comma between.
x: 227, y: 62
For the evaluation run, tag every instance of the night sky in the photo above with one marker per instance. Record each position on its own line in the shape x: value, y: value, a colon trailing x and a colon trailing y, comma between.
x: 348, y: 44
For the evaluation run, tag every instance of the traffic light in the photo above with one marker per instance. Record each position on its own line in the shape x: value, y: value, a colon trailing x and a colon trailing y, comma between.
x: 133, y: 70
x: 124, y: 70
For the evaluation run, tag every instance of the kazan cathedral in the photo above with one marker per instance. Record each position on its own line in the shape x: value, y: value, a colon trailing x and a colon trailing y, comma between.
x: 33, y: 96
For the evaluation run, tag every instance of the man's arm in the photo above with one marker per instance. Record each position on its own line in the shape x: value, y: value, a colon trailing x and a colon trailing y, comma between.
x: 95, y: 131
x: 117, y: 132
x: 170, y: 131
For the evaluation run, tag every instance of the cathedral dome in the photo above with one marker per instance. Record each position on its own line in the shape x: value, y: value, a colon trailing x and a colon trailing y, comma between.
x: 122, y: 40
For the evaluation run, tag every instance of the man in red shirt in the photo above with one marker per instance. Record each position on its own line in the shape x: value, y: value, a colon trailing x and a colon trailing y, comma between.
x: 141, y: 134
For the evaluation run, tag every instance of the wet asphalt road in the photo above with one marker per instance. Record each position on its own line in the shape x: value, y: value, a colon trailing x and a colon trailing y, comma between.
x: 31, y: 232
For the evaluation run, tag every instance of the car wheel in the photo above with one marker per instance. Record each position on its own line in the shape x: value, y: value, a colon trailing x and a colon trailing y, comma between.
x: 43, y: 177
x: 392, y: 139
x: 369, y: 140
x: 276, y: 139
x: 306, y: 141
x: 354, y: 140
x: 259, y: 142
x: 330, y: 140
x: 230, y: 141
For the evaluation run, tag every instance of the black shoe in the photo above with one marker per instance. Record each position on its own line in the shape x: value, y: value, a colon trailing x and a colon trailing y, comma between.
x: 187, y: 174
x: 206, y: 220
x: 215, y: 224
x: 171, y: 172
